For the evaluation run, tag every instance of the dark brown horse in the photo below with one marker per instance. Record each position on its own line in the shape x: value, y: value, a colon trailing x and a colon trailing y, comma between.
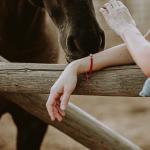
x: 27, y: 35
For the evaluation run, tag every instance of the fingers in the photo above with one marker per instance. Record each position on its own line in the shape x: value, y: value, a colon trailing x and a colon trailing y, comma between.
x: 108, y: 7
x: 111, y: 6
x: 59, y: 109
x: 52, y: 108
x: 57, y: 114
x: 50, y: 104
x: 61, y: 112
x: 114, y: 3
x: 103, y: 11
x: 65, y: 100
x: 56, y: 105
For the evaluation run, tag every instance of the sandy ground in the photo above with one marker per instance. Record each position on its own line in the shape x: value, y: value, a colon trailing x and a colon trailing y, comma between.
x: 128, y: 116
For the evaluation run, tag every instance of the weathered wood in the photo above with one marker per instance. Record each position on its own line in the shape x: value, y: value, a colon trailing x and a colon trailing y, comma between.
x: 78, y: 124
x: 38, y: 78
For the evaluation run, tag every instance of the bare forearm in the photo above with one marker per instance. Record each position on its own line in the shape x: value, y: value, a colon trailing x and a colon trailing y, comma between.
x: 139, y: 48
x: 117, y: 55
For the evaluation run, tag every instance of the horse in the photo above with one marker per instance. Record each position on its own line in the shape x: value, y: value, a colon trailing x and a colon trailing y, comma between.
x: 33, y: 31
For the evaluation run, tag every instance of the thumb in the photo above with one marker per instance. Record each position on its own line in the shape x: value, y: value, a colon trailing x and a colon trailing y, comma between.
x: 65, y: 100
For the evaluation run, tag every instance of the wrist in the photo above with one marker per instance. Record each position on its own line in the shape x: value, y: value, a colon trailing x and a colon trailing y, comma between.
x: 74, y: 66
x: 80, y: 66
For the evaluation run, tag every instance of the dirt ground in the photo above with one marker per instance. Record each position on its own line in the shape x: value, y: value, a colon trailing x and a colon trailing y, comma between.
x: 128, y: 116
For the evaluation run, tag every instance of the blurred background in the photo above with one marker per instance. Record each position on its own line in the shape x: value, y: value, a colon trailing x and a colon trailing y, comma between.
x: 128, y: 116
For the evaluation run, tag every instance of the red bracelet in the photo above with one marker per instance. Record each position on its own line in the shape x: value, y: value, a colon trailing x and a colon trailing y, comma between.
x: 90, y: 68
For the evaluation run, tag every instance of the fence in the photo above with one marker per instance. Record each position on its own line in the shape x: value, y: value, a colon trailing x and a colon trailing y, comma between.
x: 22, y: 83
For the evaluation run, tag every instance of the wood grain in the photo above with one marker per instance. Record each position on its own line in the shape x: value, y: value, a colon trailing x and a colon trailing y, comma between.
x: 38, y: 78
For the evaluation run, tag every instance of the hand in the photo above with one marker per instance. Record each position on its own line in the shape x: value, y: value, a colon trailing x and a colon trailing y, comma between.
x: 60, y: 92
x: 117, y: 16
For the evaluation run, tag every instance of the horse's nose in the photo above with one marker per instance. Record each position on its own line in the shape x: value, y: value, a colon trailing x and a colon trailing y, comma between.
x: 84, y: 43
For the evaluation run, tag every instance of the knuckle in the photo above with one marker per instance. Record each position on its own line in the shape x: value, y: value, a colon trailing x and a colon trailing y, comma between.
x: 48, y: 104
x: 52, y: 89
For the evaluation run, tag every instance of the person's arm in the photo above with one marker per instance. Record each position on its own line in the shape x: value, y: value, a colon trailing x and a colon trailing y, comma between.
x: 119, y: 55
x: 114, y: 56
x: 62, y: 89
x: 119, y: 19
x: 139, y: 48
x: 66, y: 83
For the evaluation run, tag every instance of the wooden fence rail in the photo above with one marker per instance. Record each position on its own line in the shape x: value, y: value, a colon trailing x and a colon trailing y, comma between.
x: 38, y: 78
x: 18, y: 82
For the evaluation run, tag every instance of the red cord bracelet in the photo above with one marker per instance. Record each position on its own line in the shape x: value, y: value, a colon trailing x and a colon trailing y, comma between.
x: 90, y: 68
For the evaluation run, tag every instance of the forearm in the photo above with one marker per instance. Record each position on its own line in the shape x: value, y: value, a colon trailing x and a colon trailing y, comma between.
x: 117, y: 55
x: 139, y: 48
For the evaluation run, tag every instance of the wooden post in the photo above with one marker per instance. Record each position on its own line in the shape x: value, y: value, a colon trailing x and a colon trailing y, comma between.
x: 78, y: 124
